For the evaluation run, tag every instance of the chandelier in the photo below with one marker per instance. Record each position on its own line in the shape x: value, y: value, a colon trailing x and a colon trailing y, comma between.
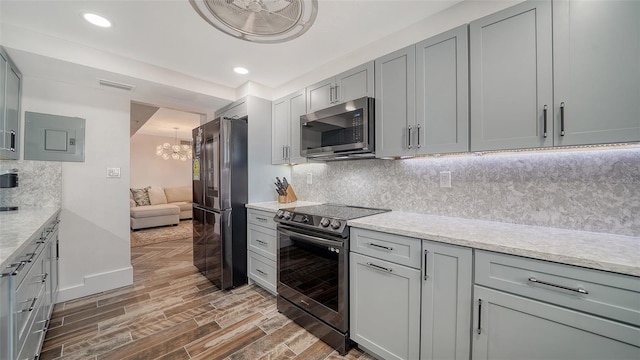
x: 175, y: 151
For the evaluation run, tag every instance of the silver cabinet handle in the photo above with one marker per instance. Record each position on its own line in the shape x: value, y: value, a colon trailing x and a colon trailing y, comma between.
x: 18, y: 266
x: 426, y: 275
x: 335, y: 97
x: 262, y: 272
x: 12, y: 148
x: 288, y: 152
x: 283, y: 152
x: 378, y: 267
x: 479, y: 316
x: 30, y: 308
x: 261, y: 219
x: 419, y: 136
x: 544, y: 111
x: 562, y: 118
x: 578, y: 290
x: 44, y: 277
x: 381, y: 246
x: 409, y: 136
x: 262, y: 242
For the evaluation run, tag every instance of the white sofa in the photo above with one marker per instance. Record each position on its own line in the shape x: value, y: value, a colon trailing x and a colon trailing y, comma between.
x: 161, y: 207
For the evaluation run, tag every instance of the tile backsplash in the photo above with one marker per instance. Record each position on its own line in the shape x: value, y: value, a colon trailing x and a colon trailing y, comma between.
x: 39, y: 184
x: 590, y: 190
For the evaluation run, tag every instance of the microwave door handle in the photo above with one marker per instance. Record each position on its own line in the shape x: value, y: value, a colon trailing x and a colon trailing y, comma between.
x: 311, y: 239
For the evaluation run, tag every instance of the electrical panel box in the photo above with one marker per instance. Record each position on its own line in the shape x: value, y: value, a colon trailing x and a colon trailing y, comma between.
x: 53, y: 137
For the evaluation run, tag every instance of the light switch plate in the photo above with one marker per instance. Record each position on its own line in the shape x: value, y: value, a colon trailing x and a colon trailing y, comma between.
x: 113, y: 172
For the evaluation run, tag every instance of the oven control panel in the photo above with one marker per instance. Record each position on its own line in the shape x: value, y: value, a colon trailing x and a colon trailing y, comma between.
x: 311, y: 221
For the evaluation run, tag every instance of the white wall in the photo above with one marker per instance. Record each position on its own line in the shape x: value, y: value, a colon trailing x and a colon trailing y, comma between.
x: 149, y: 169
x: 94, y: 234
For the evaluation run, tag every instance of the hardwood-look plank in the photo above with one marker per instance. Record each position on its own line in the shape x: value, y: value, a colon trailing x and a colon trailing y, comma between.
x: 172, y: 312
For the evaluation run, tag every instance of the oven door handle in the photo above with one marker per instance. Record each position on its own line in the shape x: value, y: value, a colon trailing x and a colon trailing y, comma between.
x: 311, y: 239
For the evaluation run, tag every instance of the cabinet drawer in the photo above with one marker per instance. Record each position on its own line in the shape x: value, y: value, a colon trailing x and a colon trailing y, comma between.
x: 262, y: 241
x: 601, y: 293
x: 34, y: 336
x: 261, y: 218
x: 263, y: 271
x: 395, y: 248
x: 27, y: 257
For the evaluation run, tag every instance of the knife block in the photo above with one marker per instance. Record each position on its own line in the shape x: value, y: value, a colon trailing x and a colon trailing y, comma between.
x: 289, y: 197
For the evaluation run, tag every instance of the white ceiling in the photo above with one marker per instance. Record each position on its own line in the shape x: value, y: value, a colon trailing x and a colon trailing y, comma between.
x: 164, y: 122
x: 168, y: 40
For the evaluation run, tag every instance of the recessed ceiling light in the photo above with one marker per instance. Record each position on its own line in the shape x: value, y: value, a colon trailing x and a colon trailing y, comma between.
x: 97, y: 20
x: 241, y: 70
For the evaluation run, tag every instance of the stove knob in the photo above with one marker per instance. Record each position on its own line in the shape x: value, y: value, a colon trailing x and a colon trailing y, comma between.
x: 287, y: 215
x: 305, y: 219
x: 335, y: 224
x: 280, y: 214
x: 325, y: 222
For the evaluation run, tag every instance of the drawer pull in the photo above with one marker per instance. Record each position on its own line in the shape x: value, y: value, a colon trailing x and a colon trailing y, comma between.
x: 18, y: 266
x: 30, y: 308
x: 426, y: 275
x: 264, y: 243
x: 479, y: 316
x: 578, y: 290
x: 378, y: 267
x: 381, y: 246
x: 32, y: 255
x: 262, y: 272
x: 44, y: 276
x: 261, y: 219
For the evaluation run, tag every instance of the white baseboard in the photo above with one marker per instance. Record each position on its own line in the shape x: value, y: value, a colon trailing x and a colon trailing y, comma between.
x: 97, y: 283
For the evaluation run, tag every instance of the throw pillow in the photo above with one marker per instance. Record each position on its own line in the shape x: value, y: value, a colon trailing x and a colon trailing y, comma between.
x: 156, y: 196
x: 141, y: 196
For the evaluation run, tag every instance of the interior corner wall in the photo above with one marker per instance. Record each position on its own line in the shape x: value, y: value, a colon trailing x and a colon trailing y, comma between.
x: 149, y: 169
x: 94, y: 233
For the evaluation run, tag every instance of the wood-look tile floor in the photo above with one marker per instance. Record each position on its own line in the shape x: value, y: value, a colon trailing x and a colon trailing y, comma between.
x: 173, y: 312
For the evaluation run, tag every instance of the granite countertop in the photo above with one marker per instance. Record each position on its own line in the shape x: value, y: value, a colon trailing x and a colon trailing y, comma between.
x: 615, y: 253
x: 274, y: 205
x: 18, y: 226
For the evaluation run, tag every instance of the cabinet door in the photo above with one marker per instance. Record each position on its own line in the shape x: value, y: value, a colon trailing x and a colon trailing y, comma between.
x: 596, y: 71
x: 511, y: 78
x: 320, y: 95
x: 446, y: 295
x: 384, y: 307
x: 395, y: 103
x: 512, y: 327
x: 355, y: 83
x: 280, y: 131
x: 442, y: 93
x: 297, y: 108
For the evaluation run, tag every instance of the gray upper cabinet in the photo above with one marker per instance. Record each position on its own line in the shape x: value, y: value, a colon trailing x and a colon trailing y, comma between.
x: 511, y: 78
x: 422, y: 97
x: 596, y: 59
x: 351, y: 84
x: 10, y: 91
x: 285, y: 134
x: 442, y: 93
x: 395, y: 102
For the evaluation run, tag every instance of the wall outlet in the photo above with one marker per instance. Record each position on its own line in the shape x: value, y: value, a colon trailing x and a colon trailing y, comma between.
x: 309, y: 178
x: 113, y: 172
x: 445, y: 179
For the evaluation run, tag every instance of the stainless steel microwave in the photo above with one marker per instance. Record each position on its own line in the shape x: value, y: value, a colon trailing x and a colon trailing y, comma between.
x: 341, y: 131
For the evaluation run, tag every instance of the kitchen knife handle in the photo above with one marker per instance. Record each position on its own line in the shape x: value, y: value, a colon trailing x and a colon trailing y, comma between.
x: 562, y: 118
x: 409, y: 136
x: 544, y: 111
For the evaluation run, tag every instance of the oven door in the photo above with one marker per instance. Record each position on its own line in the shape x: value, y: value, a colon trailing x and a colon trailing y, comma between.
x: 313, y: 274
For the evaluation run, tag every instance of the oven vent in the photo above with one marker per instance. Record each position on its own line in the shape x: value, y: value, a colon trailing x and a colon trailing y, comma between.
x: 117, y: 85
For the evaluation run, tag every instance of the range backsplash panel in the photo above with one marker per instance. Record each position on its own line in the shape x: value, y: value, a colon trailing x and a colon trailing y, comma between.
x: 590, y: 190
x: 39, y: 184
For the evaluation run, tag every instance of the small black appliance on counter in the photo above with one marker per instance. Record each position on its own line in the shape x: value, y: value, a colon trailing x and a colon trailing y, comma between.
x: 8, y: 179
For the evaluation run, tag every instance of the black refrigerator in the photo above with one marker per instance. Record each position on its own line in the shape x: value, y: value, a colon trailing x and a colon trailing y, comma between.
x: 219, y: 173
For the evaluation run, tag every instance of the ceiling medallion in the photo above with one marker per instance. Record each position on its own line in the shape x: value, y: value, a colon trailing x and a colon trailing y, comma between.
x: 260, y: 21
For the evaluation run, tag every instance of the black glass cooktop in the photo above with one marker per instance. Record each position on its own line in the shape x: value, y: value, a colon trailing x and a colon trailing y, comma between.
x: 336, y: 211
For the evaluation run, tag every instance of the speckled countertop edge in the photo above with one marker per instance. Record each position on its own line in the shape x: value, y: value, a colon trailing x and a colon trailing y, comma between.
x: 615, y: 253
x: 18, y: 226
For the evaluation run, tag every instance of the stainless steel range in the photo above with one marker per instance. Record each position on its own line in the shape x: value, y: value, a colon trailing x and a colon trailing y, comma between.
x: 313, y: 268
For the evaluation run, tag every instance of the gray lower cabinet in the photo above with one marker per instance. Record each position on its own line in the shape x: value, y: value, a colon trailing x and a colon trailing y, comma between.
x: 446, y: 294
x: 596, y: 66
x: 28, y: 289
x: 10, y: 98
x: 285, y: 133
x: 511, y: 78
x: 533, y: 309
x: 262, y: 249
x: 349, y: 85
x: 409, y: 297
